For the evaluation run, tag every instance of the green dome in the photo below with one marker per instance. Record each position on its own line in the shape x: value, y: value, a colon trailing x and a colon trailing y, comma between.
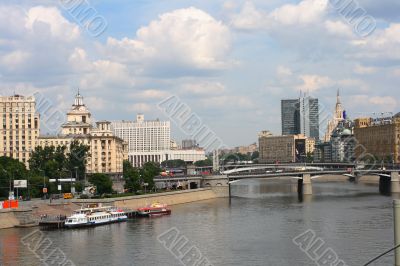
x: 346, y: 132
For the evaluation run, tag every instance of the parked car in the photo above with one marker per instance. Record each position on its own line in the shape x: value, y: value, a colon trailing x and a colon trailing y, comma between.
x: 68, y: 196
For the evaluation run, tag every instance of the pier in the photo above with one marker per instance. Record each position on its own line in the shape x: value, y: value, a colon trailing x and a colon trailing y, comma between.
x: 52, y: 222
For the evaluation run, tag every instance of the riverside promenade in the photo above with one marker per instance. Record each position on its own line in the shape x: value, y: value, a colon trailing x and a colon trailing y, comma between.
x: 30, y: 215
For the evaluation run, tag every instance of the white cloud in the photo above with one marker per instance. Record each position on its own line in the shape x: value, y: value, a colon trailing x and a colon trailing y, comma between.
x: 283, y: 71
x: 338, y: 28
x: 150, y: 94
x: 250, y: 18
x: 96, y: 103
x: 383, y: 44
x: 188, y: 38
x: 362, y: 70
x: 241, y: 102
x: 106, y: 74
x: 203, y: 88
x: 15, y: 59
x: 380, y: 103
x: 304, y: 13
x: 229, y: 4
x: 139, y: 107
x: 40, y: 18
x: 313, y: 83
x: 396, y: 72
x: 356, y: 84
x: 389, y: 101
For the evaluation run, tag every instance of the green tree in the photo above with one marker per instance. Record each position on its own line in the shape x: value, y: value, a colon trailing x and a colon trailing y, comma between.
x: 49, y: 159
x: 131, y: 176
x: 102, y: 182
x: 203, y: 163
x: 255, y: 155
x: 173, y: 164
x: 36, y: 185
x: 310, y: 157
x: 10, y: 169
x: 235, y: 157
x: 76, y: 158
x: 148, y: 172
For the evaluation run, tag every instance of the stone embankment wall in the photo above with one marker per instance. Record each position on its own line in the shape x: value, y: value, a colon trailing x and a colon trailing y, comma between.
x: 8, y: 219
x: 21, y: 217
x: 170, y: 198
x: 16, y: 217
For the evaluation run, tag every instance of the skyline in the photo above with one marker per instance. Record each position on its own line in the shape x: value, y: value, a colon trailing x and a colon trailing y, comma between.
x: 231, y: 62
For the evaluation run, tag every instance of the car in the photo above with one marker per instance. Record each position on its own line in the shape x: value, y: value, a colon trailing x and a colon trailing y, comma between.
x: 68, y: 196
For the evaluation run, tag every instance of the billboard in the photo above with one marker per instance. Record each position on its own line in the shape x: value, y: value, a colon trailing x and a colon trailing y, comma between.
x: 20, y: 183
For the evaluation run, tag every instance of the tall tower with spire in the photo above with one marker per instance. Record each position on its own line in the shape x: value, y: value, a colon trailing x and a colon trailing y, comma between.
x: 338, y: 116
x: 338, y: 109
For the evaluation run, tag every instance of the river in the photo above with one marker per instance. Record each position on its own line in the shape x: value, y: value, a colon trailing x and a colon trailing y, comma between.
x: 256, y: 228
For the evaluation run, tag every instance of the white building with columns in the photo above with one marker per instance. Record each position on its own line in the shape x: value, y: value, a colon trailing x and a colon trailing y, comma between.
x: 150, y: 141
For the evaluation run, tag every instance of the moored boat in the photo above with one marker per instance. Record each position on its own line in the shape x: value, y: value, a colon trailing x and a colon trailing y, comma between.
x: 155, y: 209
x: 95, y: 215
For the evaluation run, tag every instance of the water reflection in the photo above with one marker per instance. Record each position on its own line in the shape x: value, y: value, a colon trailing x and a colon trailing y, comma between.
x: 257, y: 228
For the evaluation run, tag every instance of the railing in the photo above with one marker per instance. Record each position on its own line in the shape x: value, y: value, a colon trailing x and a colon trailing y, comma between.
x: 381, y: 255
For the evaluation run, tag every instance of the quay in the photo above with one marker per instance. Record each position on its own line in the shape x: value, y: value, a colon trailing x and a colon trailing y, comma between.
x: 52, y: 222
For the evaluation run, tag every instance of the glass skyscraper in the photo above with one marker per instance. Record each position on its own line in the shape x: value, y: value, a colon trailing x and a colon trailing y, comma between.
x: 300, y: 116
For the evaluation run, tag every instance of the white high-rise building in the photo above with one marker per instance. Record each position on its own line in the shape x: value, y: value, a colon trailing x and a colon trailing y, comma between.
x: 150, y: 141
x: 144, y: 136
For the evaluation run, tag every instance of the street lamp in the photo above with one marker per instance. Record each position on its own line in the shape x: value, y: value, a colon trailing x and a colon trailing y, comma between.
x: 44, y: 181
x: 76, y: 172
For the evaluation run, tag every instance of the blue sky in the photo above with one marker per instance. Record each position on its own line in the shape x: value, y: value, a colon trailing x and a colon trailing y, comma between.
x: 230, y: 61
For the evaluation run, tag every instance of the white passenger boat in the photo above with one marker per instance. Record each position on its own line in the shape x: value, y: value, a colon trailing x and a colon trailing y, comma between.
x: 95, y: 215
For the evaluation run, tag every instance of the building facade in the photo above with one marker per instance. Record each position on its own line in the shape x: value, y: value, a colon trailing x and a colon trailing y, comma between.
x: 283, y: 149
x: 189, y: 156
x: 290, y: 115
x: 144, y: 136
x: 300, y: 116
x: 378, y: 137
x: 150, y: 141
x: 338, y: 116
x: 20, y: 127
x: 106, y: 151
x: 189, y: 144
x: 341, y: 144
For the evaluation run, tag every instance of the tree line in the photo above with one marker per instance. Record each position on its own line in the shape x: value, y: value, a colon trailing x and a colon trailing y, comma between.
x: 45, y: 163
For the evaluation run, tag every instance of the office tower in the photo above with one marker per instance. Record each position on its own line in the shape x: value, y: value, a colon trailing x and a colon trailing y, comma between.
x: 300, y: 116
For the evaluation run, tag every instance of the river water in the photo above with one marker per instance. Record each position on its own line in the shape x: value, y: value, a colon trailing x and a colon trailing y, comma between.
x: 256, y: 228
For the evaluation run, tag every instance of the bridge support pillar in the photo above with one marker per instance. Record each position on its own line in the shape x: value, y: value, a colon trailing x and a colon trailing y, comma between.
x: 395, y: 182
x: 307, y: 186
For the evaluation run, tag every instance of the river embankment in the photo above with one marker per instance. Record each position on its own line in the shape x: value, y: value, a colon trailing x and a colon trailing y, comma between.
x: 10, y: 218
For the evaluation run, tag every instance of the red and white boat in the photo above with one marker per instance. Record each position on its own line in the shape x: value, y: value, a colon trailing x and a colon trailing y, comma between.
x: 155, y: 209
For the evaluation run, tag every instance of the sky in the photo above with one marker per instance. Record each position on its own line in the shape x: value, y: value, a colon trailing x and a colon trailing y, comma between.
x: 231, y: 62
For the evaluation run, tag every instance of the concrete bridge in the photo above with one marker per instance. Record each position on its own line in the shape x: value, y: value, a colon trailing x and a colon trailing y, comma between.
x: 389, y: 181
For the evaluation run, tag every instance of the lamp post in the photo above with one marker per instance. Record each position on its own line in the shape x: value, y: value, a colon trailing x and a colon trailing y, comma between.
x: 70, y: 181
x: 76, y: 172
x: 13, y: 180
x: 44, y: 182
